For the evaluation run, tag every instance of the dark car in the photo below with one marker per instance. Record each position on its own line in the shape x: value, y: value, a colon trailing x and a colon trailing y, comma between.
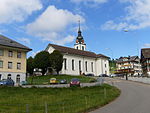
x: 103, y: 75
x: 75, y: 82
x: 63, y: 81
x: 24, y: 83
x: 7, y: 82
x: 89, y: 74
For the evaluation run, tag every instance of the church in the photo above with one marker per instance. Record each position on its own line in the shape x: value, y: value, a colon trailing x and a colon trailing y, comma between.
x: 78, y: 61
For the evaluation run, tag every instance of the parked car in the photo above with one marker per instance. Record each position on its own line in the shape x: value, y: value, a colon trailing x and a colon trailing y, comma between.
x: 103, y: 75
x: 75, y: 82
x: 53, y: 81
x: 113, y: 75
x: 7, y: 82
x: 63, y: 81
x: 89, y: 74
x: 23, y: 83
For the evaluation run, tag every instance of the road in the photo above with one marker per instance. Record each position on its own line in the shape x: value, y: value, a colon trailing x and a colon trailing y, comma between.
x: 134, y: 98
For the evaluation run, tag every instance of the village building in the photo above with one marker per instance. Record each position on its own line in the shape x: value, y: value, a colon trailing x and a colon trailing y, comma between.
x: 78, y: 61
x: 12, y: 60
x: 129, y: 65
x: 145, y: 61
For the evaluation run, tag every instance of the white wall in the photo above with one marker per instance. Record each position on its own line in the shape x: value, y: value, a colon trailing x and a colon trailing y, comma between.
x: 4, y: 75
x: 80, y: 46
x: 102, y: 66
x: 76, y: 59
x: 50, y: 49
x: 98, y: 64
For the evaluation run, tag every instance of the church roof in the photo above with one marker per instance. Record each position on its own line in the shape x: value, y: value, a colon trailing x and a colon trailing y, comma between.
x: 4, y: 41
x: 76, y: 51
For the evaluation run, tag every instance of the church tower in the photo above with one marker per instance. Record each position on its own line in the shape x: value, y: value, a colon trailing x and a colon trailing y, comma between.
x: 80, y: 45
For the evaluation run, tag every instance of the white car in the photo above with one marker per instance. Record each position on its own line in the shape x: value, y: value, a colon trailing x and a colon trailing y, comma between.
x: 112, y: 75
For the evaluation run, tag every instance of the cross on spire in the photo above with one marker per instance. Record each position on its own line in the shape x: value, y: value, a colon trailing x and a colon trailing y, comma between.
x: 79, y: 24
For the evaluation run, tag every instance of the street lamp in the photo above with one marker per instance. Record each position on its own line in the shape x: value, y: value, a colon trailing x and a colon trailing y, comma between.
x: 110, y: 51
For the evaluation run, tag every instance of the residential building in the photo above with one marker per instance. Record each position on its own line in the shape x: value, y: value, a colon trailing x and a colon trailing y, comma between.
x: 12, y: 60
x: 78, y: 61
x: 145, y: 61
x: 129, y: 65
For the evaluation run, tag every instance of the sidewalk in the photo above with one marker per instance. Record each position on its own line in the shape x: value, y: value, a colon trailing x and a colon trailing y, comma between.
x: 138, y: 79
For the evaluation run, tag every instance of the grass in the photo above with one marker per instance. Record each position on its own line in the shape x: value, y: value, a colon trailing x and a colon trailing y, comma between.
x: 45, y: 79
x: 55, y: 100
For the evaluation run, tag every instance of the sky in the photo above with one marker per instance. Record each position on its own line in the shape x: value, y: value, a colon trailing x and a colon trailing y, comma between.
x: 111, y: 27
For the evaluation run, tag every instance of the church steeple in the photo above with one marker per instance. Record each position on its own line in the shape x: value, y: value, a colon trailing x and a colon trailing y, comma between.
x: 79, y: 40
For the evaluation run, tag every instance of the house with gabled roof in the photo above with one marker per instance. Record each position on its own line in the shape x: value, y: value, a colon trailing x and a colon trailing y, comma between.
x: 78, y: 61
x: 12, y: 60
x: 129, y: 65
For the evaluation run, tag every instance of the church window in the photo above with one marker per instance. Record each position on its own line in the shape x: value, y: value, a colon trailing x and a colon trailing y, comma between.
x: 92, y: 66
x: 72, y: 64
x: 65, y: 63
x: 79, y: 65
x: 86, y: 65
x: 82, y: 47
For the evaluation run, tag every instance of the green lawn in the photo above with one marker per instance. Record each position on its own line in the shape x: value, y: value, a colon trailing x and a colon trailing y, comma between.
x: 55, y: 100
x: 45, y: 79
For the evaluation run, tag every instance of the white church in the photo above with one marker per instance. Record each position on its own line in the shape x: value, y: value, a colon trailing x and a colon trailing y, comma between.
x: 78, y: 61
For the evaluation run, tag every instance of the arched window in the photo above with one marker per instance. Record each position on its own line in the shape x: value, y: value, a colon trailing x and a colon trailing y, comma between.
x: 0, y: 76
x: 72, y: 64
x: 9, y: 76
x: 79, y: 65
x: 65, y: 63
x: 92, y: 66
x: 86, y: 66
x: 82, y: 47
x: 18, y: 79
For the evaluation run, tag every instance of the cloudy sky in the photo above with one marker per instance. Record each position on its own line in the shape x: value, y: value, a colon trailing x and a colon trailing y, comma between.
x: 111, y: 27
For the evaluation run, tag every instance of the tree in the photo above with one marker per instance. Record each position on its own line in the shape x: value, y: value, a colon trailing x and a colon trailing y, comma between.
x: 56, y: 59
x: 30, y: 65
x: 112, y: 65
x: 42, y: 61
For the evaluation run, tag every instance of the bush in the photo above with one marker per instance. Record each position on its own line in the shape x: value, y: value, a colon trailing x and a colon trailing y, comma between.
x: 92, y: 80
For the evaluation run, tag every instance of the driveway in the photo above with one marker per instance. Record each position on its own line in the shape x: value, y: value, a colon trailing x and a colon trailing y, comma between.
x: 134, y: 98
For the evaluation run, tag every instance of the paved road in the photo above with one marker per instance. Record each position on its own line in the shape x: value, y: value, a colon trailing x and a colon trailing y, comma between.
x: 135, y: 98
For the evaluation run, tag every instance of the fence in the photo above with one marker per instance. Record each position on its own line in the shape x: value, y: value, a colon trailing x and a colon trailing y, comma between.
x: 77, y: 104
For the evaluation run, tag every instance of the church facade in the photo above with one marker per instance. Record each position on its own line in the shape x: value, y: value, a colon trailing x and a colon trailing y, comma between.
x: 78, y: 61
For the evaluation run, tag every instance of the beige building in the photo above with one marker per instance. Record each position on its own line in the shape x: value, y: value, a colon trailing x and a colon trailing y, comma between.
x: 12, y: 60
x: 129, y: 65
